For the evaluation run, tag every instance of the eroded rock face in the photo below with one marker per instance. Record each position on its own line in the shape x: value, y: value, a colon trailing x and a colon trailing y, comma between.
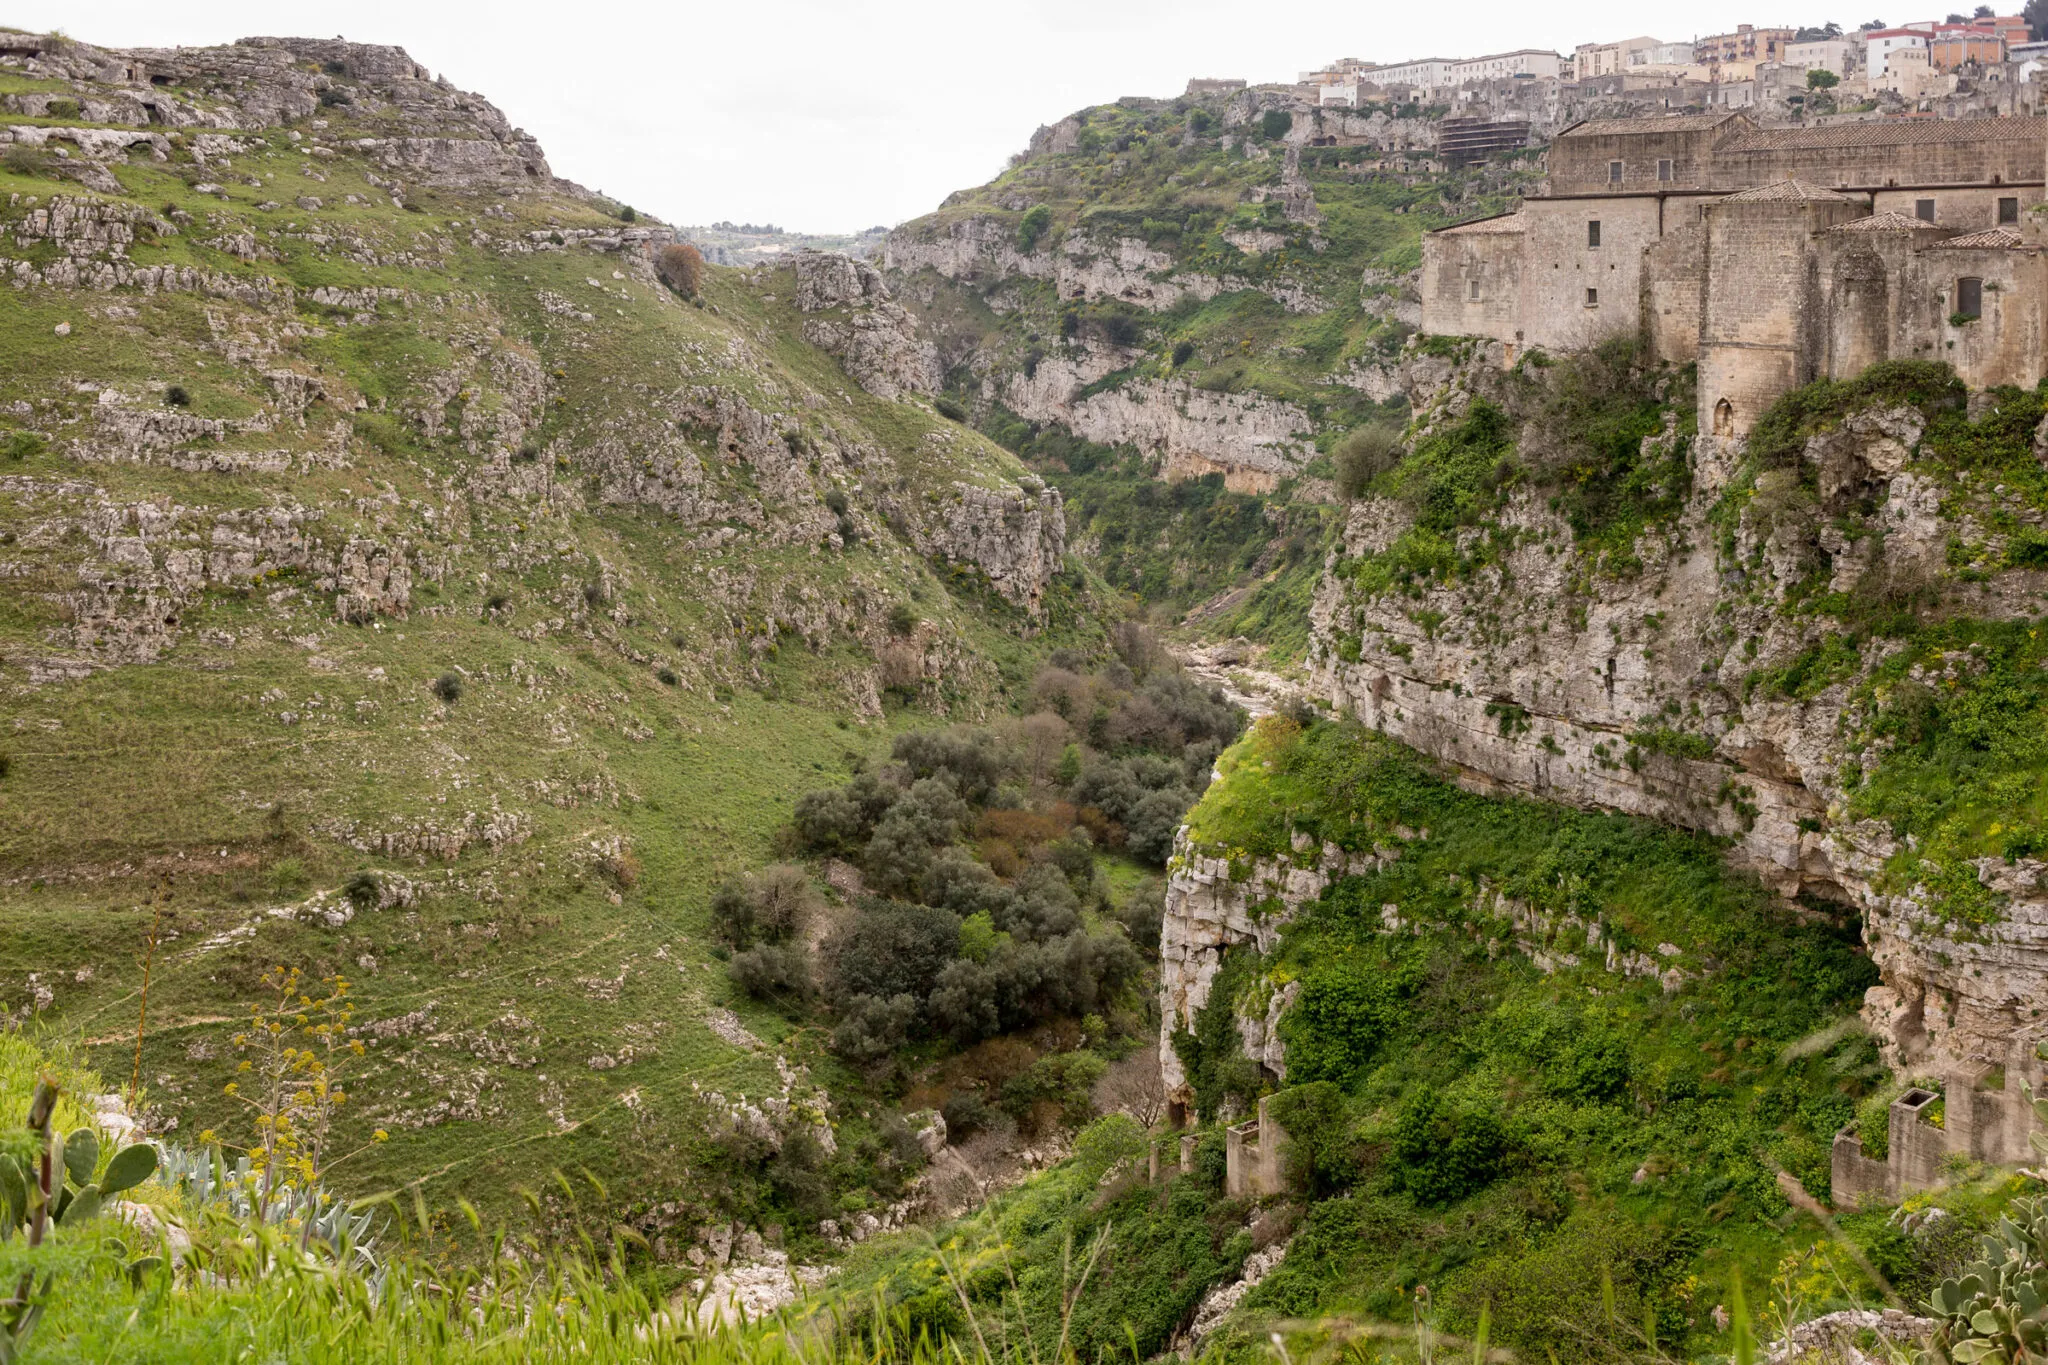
x: 1186, y: 432
x: 455, y: 138
x: 1208, y: 910
x: 982, y: 249
x: 874, y: 338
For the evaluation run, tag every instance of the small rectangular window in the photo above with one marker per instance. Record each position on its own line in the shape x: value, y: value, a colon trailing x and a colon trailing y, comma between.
x: 1923, y: 209
x: 1592, y: 298
x: 2008, y: 211
x: 1475, y: 289
x: 1969, y: 297
x: 1664, y: 170
x: 1614, y: 172
x: 1593, y: 232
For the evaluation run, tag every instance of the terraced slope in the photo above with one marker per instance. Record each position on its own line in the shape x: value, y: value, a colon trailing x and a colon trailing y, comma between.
x: 400, y: 582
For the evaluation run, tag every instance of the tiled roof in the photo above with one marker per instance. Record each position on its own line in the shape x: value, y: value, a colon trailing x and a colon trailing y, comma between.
x: 1787, y: 191
x: 1499, y: 223
x: 1897, y: 132
x: 1669, y: 123
x: 1998, y: 239
x: 1887, y: 221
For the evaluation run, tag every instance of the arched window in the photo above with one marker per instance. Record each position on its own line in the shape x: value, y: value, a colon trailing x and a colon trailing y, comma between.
x: 1724, y: 418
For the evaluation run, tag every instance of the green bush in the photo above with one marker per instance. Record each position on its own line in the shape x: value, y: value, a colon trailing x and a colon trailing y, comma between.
x: 1032, y: 226
x: 1363, y: 456
x: 1446, y: 1152
x: 20, y: 445
x: 1275, y: 124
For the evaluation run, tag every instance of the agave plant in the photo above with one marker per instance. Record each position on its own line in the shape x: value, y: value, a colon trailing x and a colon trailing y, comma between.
x: 208, y: 1178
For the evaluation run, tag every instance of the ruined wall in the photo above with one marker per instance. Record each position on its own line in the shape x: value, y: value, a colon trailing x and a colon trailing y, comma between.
x: 2008, y: 343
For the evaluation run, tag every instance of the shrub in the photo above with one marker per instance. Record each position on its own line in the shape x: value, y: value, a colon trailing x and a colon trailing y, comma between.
x: 363, y: 890
x: 1363, y: 456
x: 842, y: 820
x: 1275, y: 124
x: 930, y: 816
x: 966, y: 755
x: 903, y: 620
x: 965, y: 1115
x: 1200, y: 120
x: 772, y: 971
x: 1058, y: 1086
x: 63, y: 108
x: 950, y: 408
x: 23, y: 158
x: 629, y: 214
x: 782, y: 901
x: 19, y: 445
x: 448, y: 687
x: 1183, y: 352
x: 1446, y: 1153
x: 6, y: 764
x: 286, y: 876
x: 890, y: 948
x: 1032, y: 226
x: 872, y: 1027
x: 1153, y: 822
x: 333, y: 98
x: 1143, y: 913
x: 680, y: 267
x: 667, y: 676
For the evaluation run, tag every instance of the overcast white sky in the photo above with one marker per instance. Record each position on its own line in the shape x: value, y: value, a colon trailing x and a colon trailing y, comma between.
x: 836, y: 116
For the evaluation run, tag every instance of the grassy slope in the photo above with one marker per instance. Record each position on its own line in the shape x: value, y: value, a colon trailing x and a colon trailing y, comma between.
x: 224, y: 777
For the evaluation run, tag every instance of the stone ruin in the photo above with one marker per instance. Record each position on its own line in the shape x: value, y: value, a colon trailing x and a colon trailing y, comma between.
x: 1255, y: 1157
x: 1978, y: 1123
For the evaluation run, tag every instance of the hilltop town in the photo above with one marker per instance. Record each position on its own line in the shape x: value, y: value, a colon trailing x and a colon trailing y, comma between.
x: 1954, y: 67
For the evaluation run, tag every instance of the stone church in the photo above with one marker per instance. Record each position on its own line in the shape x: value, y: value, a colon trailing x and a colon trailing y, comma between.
x: 1772, y: 257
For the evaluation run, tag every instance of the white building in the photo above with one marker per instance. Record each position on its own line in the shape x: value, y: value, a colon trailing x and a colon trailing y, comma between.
x: 1830, y: 54
x: 1527, y: 61
x: 1879, y: 44
x: 1443, y: 73
x: 1663, y: 54
x: 1608, y: 59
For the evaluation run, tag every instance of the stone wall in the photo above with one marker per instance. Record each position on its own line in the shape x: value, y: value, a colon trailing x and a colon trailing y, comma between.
x: 1759, y: 310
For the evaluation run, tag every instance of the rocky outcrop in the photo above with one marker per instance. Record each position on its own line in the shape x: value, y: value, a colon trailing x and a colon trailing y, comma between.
x: 452, y: 137
x: 1217, y: 899
x: 874, y: 338
x: 1017, y: 536
x: 1211, y: 907
x: 982, y: 250
x: 1254, y: 442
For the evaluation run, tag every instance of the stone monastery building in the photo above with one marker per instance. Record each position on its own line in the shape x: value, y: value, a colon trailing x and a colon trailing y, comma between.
x: 1772, y: 257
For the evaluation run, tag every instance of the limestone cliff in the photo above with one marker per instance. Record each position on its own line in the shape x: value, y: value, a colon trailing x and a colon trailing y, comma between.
x: 1627, y: 692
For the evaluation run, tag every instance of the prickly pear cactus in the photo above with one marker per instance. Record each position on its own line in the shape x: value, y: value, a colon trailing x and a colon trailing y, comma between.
x: 1996, y: 1313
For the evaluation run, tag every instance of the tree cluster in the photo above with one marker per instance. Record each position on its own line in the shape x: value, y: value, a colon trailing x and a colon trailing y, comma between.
x: 976, y: 848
